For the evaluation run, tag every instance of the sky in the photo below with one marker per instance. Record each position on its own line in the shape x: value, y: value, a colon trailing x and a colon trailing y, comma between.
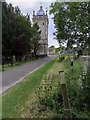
x: 27, y: 7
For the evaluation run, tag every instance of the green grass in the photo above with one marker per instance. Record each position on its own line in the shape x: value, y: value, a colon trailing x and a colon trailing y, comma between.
x: 51, y: 85
x: 73, y: 81
x: 75, y: 90
x: 54, y: 105
x: 19, y: 100
x: 14, y: 99
x: 77, y: 67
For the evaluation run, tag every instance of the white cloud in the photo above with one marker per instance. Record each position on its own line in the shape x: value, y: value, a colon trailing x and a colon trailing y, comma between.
x: 24, y: 3
x: 30, y: 1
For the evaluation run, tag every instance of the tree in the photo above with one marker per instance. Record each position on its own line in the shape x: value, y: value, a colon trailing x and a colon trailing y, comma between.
x: 22, y: 34
x: 35, y: 38
x: 72, y: 23
x: 16, y: 32
x: 7, y: 31
x: 18, y: 37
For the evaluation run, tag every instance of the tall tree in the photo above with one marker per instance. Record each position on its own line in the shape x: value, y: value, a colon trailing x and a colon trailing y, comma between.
x: 16, y: 32
x: 22, y: 34
x: 72, y: 23
x: 19, y: 38
x: 5, y: 26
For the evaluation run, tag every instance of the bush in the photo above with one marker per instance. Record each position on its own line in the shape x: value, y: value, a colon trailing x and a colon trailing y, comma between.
x: 50, y: 97
x: 61, y: 57
x: 67, y: 58
x: 75, y: 56
x: 79, y: 94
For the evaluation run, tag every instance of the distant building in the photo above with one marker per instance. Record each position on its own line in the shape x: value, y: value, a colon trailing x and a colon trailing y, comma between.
x: 52, y: 50
x: 42, y: 19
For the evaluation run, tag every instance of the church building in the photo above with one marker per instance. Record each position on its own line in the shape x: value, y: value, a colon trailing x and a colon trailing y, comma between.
x: 42, y: 19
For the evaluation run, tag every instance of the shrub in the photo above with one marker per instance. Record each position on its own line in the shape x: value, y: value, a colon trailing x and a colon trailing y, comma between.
x: 50, y: 96
x: 79, y: 94
x: 67, y: 58
x: 61, y: 57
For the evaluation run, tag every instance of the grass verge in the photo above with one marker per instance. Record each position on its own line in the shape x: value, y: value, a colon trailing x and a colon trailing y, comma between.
x: 48, y: 102
x: 24, y: 100
x: 48, y: 87
x: 15, y: 98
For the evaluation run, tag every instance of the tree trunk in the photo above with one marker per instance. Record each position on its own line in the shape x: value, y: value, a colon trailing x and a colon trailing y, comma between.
x: 35, y: 53
x: 11, y: 60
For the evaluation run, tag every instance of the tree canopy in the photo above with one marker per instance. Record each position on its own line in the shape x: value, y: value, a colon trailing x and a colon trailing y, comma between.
x: 72, y: 22
x: 19, y: 37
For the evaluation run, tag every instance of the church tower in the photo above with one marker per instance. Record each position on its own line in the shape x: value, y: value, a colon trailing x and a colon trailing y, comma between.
x: 42, y: 19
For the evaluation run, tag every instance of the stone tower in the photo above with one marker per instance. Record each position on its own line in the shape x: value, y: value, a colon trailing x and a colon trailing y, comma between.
x: 42, y: 19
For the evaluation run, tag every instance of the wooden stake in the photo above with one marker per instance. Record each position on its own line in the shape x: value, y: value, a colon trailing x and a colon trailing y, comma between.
x: 71, y: 68
x: 67, y: 107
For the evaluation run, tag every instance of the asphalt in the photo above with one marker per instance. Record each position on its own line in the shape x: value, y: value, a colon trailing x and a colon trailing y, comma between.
x: 15, y: 75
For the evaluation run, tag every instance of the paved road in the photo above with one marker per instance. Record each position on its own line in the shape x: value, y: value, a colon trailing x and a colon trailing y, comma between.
x: 15, y: 75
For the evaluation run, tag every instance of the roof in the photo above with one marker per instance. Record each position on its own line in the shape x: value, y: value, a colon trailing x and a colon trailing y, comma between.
x: 41, y: 11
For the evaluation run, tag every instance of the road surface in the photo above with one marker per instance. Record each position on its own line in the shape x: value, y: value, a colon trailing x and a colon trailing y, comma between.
x: 15, y: 75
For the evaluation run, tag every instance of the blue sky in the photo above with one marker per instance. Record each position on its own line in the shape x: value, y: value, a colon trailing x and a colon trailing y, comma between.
x: 27, y: 7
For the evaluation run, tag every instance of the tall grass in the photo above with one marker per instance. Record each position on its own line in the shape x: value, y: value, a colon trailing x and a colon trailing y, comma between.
x: 75, y: 90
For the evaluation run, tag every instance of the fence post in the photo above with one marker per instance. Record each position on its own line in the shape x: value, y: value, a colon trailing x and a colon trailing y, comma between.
x: 71, y: 67
x: 66, y: 103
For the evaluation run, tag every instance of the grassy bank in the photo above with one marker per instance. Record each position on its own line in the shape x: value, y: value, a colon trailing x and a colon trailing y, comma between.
x: 47, y: 101
x: 40, y: 95
x: 34, y: 107
x: 14, y: 99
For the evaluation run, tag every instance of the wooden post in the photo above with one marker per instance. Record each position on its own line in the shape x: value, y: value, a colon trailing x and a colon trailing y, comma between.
x: 14, y: 58
x: 71, y: 68
x: 67, y: 107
